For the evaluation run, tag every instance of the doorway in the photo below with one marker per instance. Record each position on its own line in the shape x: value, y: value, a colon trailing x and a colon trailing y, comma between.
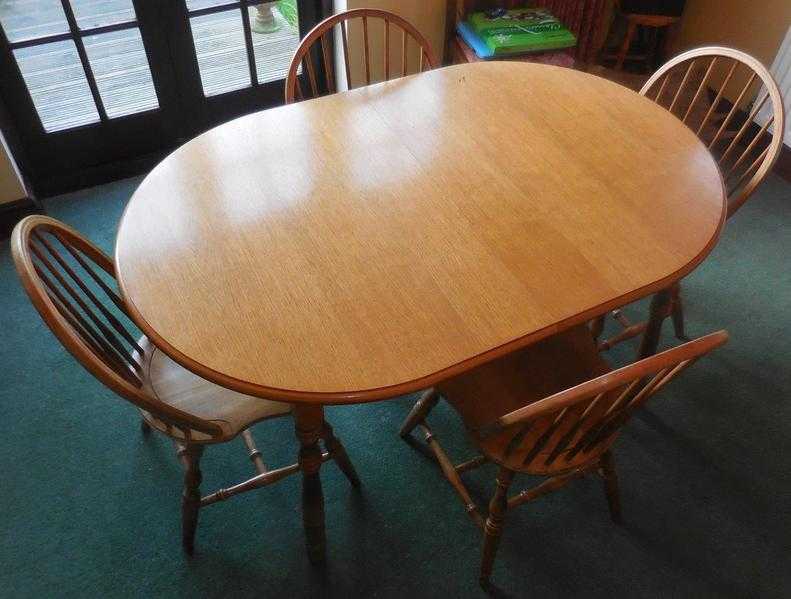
x: 99, y: 89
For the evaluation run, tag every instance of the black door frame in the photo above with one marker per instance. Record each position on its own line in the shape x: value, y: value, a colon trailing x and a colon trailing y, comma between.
x: 206, y: 112
x: 119, y: 147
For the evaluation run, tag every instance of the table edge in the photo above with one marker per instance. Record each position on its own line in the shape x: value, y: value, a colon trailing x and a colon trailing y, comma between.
x: 414, y: 385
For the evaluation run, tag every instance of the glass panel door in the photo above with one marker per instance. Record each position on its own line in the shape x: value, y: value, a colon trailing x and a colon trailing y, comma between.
x: 95, y: 89
x: 82, y: 61
x: 240, y: 52
x: 240, y: 46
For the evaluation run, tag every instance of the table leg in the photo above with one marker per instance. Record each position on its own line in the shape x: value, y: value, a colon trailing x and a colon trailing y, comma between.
x: 309, y: 422
x: 660, y: 308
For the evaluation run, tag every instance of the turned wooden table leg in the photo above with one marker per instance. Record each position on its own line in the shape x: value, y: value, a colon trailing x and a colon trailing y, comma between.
x: 660, y: 308
x: 309, y: 423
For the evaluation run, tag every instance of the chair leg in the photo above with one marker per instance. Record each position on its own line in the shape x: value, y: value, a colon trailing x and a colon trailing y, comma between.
x: 677, y: 313
x: 252, y: 451
x: 145, y: 428
x: 607, y: 471
x: 660, y: 309
x: 493, y: 528
x: 190, y: 456
x: 627, y: 42
x: 419, y: 412
x: 338, y: 453
x: 597, y: 326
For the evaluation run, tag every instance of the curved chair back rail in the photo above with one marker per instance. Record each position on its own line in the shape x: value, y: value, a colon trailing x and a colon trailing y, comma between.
x: 71, y: 283
x: 307, y: 53
x: 745, y: 150
x: 577, y: 426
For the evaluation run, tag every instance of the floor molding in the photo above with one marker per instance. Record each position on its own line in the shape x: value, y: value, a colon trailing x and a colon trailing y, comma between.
x: 783, y: 166
x: 12, y: 212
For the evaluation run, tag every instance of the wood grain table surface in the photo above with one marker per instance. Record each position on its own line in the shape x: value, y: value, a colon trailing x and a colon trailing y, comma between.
x: 371, y: 243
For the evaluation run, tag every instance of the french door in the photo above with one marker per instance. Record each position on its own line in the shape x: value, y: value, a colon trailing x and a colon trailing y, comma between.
x: 96, y: 89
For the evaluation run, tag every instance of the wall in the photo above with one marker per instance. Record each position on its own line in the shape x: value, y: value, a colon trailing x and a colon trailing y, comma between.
x: 428, y: 17
x: 11, y: 188
x: 757, y: 27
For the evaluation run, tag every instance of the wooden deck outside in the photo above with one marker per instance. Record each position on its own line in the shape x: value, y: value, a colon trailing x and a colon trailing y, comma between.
x: 57, y: 83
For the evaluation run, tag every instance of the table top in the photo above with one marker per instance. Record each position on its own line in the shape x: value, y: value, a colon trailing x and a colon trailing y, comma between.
x: 371, y: 243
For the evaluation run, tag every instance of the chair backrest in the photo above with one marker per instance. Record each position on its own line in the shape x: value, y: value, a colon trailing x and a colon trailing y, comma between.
x: 744, y: 151
x: 72, y: 284
x: 584, y: 18
x: 322, y: 35
x: 572, y: 428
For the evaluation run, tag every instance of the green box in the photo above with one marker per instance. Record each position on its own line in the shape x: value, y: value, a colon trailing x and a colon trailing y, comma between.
x: 522, y: 30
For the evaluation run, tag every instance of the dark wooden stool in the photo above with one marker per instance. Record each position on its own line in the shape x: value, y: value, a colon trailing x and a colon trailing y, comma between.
x: 653, y: 54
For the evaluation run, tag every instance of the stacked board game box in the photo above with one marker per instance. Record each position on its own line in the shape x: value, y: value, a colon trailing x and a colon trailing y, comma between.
x: 500, y: 32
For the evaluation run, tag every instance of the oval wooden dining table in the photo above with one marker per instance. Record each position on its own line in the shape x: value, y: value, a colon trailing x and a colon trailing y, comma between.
x: 369, y: 244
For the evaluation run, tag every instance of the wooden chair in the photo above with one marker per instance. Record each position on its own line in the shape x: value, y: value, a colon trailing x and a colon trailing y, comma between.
x: 322, y: 34
x: 693, y: 86
x: 553, y: 409
x: 584, y: 18
x: 72, y: 284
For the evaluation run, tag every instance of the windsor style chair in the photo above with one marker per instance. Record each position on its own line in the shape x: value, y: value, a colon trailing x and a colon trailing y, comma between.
x: 553, y: 409
x: 322, y: 35
x: 719, y: 93
x: 71, y: 283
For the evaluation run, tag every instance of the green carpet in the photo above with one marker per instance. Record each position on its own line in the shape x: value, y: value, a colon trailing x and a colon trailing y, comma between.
x: 90, y: 508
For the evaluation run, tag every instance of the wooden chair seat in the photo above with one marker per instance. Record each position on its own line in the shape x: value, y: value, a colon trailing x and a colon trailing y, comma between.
x: 174, y: 385
x: 485, y: 394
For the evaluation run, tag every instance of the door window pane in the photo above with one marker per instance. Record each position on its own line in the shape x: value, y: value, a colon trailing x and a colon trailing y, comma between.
x: 220, y: 48
x: 275, y: 33
x: 56, y: 81
x: 28, y: 19
x: 120, y: 66
x: 197, y: 4
x: 95, y: 13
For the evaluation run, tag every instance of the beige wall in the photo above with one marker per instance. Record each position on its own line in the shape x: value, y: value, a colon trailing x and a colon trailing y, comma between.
x: 755, y: 26
x: 428, y: 17
x: 11, y: 188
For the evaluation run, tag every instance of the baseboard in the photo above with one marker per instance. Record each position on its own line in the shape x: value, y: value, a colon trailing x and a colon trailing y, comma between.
x: 783, y: 166
x: 12, y: 212
x: 98, y: 175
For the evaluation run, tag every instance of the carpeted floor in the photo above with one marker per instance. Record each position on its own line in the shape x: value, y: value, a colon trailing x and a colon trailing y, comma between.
x: 90, y: 508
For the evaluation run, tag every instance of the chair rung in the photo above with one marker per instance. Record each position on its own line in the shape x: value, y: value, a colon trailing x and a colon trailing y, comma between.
x: 472, y: 464
x: 261, y: 480
x: 544, y: 488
